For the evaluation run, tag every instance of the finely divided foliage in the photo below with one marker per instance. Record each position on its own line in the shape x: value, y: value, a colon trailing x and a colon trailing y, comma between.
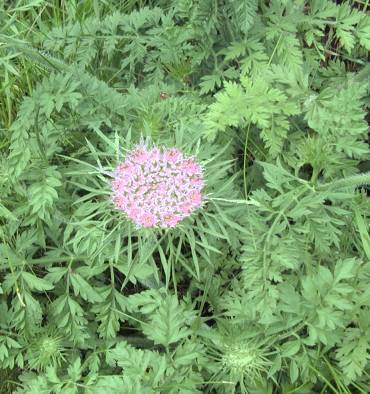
x: 183, y: 203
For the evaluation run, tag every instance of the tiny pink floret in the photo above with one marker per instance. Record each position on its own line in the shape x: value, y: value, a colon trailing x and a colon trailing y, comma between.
x: 147, y: 220
x: 172, y: 155
x: 171, y: 220
x: 157, y: 188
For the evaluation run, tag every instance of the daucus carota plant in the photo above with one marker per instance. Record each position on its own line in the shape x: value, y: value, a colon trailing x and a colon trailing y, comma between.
x: 157, y: 188
x: 183, y: 197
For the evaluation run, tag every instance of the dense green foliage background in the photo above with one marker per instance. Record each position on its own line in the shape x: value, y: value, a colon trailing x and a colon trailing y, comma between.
x: 265, y: 290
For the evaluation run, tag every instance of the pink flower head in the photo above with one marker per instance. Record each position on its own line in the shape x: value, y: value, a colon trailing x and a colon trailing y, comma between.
x: 157, y: 187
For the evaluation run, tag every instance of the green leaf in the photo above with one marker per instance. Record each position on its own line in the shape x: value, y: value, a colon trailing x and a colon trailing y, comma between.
x: 293, y: 371
x: 364, y: 233
x: 35, y: 283
x: 344, y: 269
x: 83, y: 288
x: 209, y: 83
x: 169, y: 323
x: 290, y: 348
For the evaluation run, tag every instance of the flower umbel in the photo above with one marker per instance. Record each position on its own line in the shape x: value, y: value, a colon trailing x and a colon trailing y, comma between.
x: 157, y: 188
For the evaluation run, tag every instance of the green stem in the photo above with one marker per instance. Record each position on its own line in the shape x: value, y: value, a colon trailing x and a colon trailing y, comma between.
x: 245, y: 163
x: 38, y: 139
x: 275, y: 48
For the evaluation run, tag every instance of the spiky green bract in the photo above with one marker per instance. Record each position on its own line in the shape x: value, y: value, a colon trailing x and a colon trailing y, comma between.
x: 239, y: 360
x: 45, y: 349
